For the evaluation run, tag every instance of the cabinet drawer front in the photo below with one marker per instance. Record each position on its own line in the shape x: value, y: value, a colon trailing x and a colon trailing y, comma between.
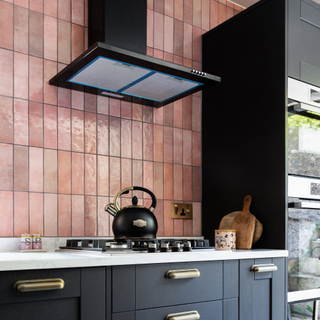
x: 71, y: 278
x: 153, y: 289
x: 207, y: 310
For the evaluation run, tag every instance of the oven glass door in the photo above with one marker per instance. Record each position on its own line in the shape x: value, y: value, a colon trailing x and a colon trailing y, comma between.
x: 304, y: 209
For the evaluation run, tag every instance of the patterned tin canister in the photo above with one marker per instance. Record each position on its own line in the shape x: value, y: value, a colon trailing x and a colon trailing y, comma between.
x: 36, y: 241
x: 225, y: 239
x: 26, y: 241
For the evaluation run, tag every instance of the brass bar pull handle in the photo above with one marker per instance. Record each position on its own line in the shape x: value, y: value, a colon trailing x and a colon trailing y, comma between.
x: 38, y: 285
x: 188, y: 315
x: 264, y: 267
x: 183, y: 274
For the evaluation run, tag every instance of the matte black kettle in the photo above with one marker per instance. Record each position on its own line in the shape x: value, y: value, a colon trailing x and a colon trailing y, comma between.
x: 133, y: 221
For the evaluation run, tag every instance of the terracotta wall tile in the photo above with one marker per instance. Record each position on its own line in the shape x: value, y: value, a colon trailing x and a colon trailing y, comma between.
x: 158, y: 180
x: 177, y: 114
x: 50, y: 7
x: 49, y: 91
x: 168, y: 57
x: 149, y: 28
x: 35, y: 79
x: 36, y: 5
x: 21, y: 30
x: 196, y: 113
x: 77, y: 41
x: 196, y: 207
x: 159, y: 213
x: 168, y: 222
x: 197, y: 13
x: 6, y: 119
x: 64, y: 9
x: 137, y: 111
x: 21, y: 127
x: 214, y: 13
x: 188, y: 11
x: 147, y: 114
x: 64, y: 97
x: 6, y: 207
x: 126, y: 138
x: 114, y: 136
x: 158, y: 115
x: 64, y: 172
x: 23, y: 3
x: 169, y: 7
x: 77, y: 12
x: 205, y: 19
x: 158, y: 143
x: 77, y: 100
x: 114, y: 109
x: 168, y: 34
x: 178, y: 9
x: 196, y: 51
x: 158, y: 31
x: 64, y: 215
x: 103, y: 217
x: 177, y: 182
x: 35, y: 124
x: 222, y: 13
x: 6, y: 23
x: 150, y: 4
x: 230, y: 12
x: 114, y: 175
x: 103, y: 105
x: 77, y: 173
x: 77, y: 130
x: 90, y: 174
x: 20, y: 168
x: 187, y: 183
x: 137, y: 140
x: 178, y: 37
x: 50, y: 38
x: 168, y: 115
x: 36, y: 212
x: 187, y: 228
x: 187, y: 147
x: 64, y: 129
x: 90, y: 216
x: 50, y: 215
x: 149, y: 52
x: 50, y: 164
x: 50, y: 126
x: 158, y: 54
x: 6, y: 166
x: 158, y: 5
x: 77, y: 216
x: 6, y: 72
x: 196, y: 183
x: 126, y: 109
x: 90, y: 102
x: 168, y: 144
x: 35, y: 169
x: 187, y: 40
x: 178, y: 228
x: 196, y: 149
x: 36, y: 32
x: 103, y: 175
x: 168, y: 181
x: 147, y: 133
x: 148, y: 177
x: 64, y: 38
x: 103, y: 134
x: 178, y: 60
x: 21, y: 213
x: 126, y: 173
x: 90, y: 132
x: 137, y: 172
x: 177, y: 146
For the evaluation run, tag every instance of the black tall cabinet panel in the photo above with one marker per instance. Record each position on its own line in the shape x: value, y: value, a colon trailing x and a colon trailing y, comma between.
x: 244, y: 120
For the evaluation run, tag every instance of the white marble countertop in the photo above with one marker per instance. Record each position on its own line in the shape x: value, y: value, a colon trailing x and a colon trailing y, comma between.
x: 75, y: 259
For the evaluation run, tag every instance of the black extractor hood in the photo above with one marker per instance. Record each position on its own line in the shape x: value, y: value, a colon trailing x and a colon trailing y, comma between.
x: 116, y: 64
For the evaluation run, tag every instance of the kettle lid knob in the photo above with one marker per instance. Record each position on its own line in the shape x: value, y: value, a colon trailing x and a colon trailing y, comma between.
x: 134, y: 200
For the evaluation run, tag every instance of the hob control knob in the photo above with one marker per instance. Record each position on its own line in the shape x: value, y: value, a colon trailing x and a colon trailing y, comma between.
x: 152, y: 247
x: 187, y: 246
x: 176, y: 247
x: 164, y: 247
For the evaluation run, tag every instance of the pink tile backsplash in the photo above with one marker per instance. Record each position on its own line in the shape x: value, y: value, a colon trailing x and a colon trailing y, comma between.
x: 64, y: 154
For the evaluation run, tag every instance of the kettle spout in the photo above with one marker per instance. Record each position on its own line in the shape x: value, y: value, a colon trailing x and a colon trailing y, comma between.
x: 111, y: 209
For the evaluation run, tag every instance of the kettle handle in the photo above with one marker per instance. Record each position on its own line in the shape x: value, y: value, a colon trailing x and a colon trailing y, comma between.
x: 126, y: 190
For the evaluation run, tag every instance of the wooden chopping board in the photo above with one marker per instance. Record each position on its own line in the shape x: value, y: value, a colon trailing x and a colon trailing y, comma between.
x: 244, y: 224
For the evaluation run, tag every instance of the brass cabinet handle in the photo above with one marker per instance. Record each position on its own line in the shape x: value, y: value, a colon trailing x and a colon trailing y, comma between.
x: 188, y: 315
x: 38, y: 285
x: 264, y: 267
x: 183, y: 274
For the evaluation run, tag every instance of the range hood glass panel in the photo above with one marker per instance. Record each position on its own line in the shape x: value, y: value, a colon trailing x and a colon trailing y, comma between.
x: 160, y: 87
x: 109, y: 74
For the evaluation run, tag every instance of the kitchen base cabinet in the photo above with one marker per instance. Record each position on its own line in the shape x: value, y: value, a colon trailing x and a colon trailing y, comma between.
x: 81, y: 298
x: 262, y: 294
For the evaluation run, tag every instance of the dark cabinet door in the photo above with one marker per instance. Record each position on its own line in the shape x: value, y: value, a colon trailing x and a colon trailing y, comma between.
x: 303, y: 41
x: 262, y: 295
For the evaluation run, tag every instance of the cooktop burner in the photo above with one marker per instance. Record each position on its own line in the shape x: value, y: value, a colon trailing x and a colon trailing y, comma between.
x: 138, y: 245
